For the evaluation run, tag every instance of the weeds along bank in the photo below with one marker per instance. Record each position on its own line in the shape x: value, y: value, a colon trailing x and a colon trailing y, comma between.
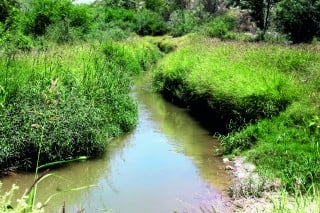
x: 264, y: 97
x: 67, y: 101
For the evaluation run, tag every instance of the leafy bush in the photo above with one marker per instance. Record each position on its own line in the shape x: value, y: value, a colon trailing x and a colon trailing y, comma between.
x: 276, y: 38
x: 13, y: 40
x: 154, y: 5
x: 182, y: 22
x: 116, y: 34
x: 149, y: 23
x: 81, y: 18
x: 12, y: 31
x: 117, y: 14
x: 120, y: 4
x: 43, y: 13
x: 61, y: 32
x: 299, y: 19
x: 146, y: 22
x: 221, y: 26
x: 6, y: 8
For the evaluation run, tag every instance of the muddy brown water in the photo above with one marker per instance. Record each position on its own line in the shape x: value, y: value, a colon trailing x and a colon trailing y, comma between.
x: 166, y: 164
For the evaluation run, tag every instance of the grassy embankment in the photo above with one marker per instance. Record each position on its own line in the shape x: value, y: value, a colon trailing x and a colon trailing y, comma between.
x: 67, y: 101
x: 265, y: 98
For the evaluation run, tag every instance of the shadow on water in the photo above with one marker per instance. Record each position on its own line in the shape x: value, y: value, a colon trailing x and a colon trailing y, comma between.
x: 167, y: 163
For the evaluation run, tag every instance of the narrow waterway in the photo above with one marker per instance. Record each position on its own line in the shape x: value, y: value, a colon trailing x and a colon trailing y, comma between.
x: 166, y: 164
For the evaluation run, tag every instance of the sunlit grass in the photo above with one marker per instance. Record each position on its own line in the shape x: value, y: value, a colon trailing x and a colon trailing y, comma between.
x: 75, y: 95
x: 266, y: 96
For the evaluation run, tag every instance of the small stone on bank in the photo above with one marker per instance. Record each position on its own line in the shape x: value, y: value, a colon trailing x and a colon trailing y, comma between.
x: 229, y: 168
x: 225, y: 160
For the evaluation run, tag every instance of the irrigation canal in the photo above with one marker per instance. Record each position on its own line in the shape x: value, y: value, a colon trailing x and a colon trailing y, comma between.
x: 166, y: 164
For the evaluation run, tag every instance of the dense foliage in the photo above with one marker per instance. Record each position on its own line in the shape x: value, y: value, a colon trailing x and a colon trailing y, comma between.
x: 299, y: 19
x: 259, y: 9
x: 24, y: 23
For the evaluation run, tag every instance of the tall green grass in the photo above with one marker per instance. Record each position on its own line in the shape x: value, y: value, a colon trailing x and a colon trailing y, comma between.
x: 264, y: 98
x: 76, y: 96
x: 224, y: 80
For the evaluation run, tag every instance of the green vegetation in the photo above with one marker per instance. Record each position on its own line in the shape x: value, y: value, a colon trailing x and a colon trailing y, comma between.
x: 299, y: 19
x: 66, y: 70
x: 221, y: 27
x: 264, y: 96
x: 62, y: 101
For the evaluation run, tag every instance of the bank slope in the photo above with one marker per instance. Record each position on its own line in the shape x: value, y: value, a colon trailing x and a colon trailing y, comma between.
x: 263, y: 97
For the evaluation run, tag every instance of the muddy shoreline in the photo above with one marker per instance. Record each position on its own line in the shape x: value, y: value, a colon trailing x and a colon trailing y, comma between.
x: 249, y: 192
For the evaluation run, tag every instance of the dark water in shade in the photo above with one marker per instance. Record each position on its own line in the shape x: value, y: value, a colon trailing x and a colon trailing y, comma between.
x: 166, y: 164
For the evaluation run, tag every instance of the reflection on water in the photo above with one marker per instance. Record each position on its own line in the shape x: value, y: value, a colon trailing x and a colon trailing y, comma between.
x: 165, y: 164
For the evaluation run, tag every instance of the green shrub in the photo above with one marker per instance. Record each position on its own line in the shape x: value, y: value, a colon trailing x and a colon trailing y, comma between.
x: 276, y: 38
x: 7, y: 10
x: 221, y: 26
x: 81, y: 18
x: 116, y: 14
x: 61, y: 32
x: 13, y: 36
x: 12, y: 41
x: 154, y: 5
x: 116, y: 34
x: 217, y: 29
x: 119, y: 4
x: 182, y: 22
x: 149, y: 23
x: 299, y: 19
x: 44, y: 13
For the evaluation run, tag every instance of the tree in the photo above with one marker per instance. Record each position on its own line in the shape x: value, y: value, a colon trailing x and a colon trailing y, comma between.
x: 5, y: 8
x: 211, y: 6
x: 300, y: 19
x: 127, y: 4
x: 154, y: 5
x: 43, y: 13
x: 260, y: 10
